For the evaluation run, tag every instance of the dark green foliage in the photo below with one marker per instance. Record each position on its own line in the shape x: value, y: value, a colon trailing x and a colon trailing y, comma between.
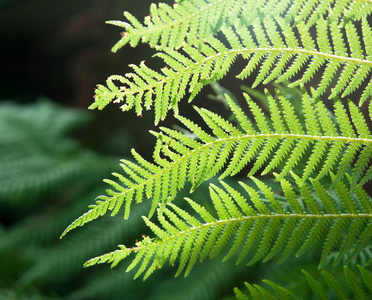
x: 36, y: 154
x: 40, y: 164
x: 324, y: 286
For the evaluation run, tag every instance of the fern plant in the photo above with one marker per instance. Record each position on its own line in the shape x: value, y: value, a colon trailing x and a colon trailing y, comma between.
x: 316, y: 147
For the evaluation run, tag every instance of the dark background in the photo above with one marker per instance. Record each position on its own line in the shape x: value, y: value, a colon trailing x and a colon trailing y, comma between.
x: 61, y: 49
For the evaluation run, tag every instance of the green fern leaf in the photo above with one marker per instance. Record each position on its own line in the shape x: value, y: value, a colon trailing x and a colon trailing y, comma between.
x: 256, y: 235
x: 179, y: 158
x: 201, y: 61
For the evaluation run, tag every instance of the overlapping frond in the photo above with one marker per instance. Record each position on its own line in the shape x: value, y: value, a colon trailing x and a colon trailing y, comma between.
x: 271, y: 47
x: 353, y: 285
x: 313, y: 148
x: 168, y: 26
x: 254, y: 228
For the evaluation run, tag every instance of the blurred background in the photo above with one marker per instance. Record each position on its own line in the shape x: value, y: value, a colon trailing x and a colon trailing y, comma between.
x: 54, y: 154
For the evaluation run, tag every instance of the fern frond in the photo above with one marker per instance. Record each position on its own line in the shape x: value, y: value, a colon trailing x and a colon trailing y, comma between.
x: 168, y: 26
x: 323, y: 285
x: 252, y: 230
x: 276, y: 56
x: 278, y: 143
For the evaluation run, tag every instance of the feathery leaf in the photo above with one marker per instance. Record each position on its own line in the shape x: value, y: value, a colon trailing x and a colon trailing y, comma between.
x: 254, y: 233
x: 201, y: 61
x: 233, y: 149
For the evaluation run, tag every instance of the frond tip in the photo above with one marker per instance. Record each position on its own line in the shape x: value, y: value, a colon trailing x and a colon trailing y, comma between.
x: 253, y: 228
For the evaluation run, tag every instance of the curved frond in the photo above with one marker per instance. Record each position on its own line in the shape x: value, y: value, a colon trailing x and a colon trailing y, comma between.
x: 271, y: 47
x: 323, y: 286
x: 249, y: 228
x: 280, y: 143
